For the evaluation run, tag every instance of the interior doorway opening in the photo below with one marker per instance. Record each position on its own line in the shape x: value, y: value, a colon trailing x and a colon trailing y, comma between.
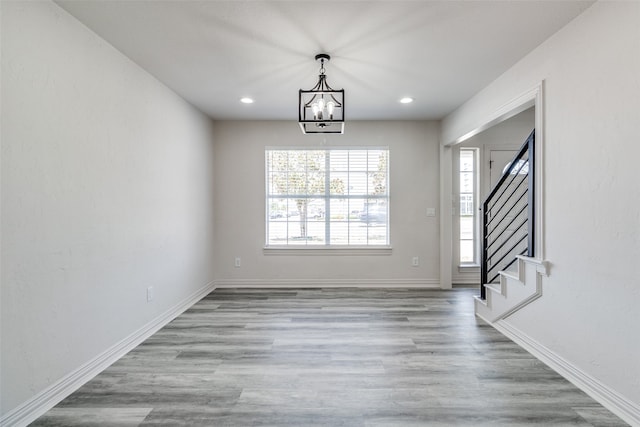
x: 478, y: 163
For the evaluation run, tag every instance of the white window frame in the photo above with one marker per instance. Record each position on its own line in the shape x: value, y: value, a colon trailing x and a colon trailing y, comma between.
x: 476, y: 200
x: 327, y: 247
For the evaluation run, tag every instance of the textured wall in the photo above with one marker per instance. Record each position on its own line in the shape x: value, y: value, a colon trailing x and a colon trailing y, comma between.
x: 240, y: 197
x: 107, y: 187
x: 588, y: 314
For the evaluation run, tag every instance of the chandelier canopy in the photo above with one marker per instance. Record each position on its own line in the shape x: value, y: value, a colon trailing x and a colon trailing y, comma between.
x: 321, y: 109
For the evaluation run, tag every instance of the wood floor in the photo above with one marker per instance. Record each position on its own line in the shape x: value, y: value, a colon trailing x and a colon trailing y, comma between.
x: 329, y: 357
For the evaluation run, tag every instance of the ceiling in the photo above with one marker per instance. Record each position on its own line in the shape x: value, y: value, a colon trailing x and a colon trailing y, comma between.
x: 212, y: 53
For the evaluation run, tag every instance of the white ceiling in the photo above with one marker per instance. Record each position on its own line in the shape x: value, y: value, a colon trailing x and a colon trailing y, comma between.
x: 213, y: 53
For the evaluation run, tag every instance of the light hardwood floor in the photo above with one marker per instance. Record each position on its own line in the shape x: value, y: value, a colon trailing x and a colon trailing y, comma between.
x: 329, y: 357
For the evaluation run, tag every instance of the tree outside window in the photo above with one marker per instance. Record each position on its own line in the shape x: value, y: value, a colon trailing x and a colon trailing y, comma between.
x: 327, y: 197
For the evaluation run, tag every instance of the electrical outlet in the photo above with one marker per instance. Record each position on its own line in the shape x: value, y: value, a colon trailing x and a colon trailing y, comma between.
x: 415, y: 261
x: 150, y: 294
x: 237, y: 262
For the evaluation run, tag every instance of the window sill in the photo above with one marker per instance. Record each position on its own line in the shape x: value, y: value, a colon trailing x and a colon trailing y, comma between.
x: 468, y: 268
x: 325, y: 250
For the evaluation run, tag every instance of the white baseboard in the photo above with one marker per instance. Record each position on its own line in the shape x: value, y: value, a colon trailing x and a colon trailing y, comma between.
x: 610, y: 399
x: 327, y: 283
x: 35, y: 407
x: 460, y: 280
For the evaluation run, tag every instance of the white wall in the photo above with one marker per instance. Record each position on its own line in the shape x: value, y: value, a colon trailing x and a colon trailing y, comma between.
x: 589, y: 313
x: 107, y: 188
x: 510, y: 133
x: 240, y: 196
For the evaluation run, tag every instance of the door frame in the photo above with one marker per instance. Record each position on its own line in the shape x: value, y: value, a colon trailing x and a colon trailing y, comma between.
x: 485, y: 186
x: 531, y: 98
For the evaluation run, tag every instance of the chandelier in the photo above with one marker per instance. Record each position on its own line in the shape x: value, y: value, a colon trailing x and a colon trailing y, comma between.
x: 321, y: 109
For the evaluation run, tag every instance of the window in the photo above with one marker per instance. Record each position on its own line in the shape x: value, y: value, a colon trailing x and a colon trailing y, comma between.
x: 330, y: 197
x: 468, y: 184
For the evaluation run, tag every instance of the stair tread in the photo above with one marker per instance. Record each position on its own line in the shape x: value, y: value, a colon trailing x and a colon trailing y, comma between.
x: 512, y: 297
x: 494, y: 287
x: 511, y: 274
x: 480, y: 300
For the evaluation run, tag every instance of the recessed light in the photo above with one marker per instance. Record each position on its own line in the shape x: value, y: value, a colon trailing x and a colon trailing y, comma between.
x: 406, y: 100
x: 246, y: 100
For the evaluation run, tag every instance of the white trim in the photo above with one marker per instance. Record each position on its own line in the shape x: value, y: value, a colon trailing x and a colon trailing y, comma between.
x: 326, y: 250
x: 486, y: 178
x: 493, y: 308
x: 516, y: 106
x: 528, y: 300
x: 467, y: 267
x: 36, y: 406
x: 326, y: 196
x: 327, y: 283
x: 466, y: 275
x: 446, y: 219
x: 325, y: 147
x: 455, y: 206
x: 466, y: 285
x: 534, y: 97
x: 539, y: 172
x: 542, y: 266
x: 462, y: 280
x: 610, y: 399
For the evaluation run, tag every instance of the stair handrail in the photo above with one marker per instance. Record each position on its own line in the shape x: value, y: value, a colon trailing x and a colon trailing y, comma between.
x: 527, y: 148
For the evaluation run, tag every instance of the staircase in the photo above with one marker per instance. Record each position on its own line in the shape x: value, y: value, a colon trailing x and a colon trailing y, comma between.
x: 514, y: 290
x: 510, y: 276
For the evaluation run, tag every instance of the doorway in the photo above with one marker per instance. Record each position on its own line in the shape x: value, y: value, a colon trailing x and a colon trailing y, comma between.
x: 495, y: 148
x: 499, y: 159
